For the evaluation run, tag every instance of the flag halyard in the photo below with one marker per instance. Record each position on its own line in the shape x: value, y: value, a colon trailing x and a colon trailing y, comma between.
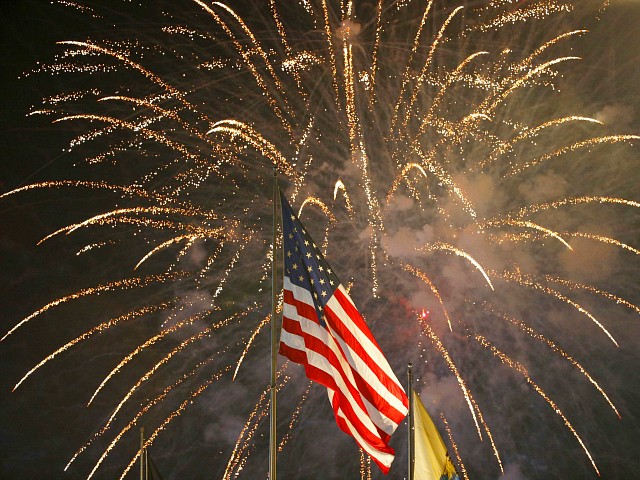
x: 323, y: 331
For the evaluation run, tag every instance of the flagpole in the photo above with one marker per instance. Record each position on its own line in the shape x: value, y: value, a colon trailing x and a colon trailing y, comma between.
x: 141, y: 453
x: 274, y: 349
x: 410, y: 427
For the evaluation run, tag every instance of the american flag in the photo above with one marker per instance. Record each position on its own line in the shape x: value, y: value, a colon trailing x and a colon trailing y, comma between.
x: 323, y: 330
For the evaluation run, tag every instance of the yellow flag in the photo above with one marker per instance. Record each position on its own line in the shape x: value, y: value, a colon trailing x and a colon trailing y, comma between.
x: 431, y: 460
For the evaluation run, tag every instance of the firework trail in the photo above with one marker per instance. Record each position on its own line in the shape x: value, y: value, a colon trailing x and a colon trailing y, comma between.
x: 428, y: 146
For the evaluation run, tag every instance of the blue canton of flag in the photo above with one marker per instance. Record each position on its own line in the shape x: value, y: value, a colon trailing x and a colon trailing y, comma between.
x: 304, y: 264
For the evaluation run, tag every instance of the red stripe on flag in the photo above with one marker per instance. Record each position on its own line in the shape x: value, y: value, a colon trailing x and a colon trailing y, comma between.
x: 303, y: 309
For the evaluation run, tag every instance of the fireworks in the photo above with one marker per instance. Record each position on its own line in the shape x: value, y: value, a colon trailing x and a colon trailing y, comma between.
x: 435, y: 155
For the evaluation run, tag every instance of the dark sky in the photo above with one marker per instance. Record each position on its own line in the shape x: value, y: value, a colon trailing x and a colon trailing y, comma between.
x: 45, y: 421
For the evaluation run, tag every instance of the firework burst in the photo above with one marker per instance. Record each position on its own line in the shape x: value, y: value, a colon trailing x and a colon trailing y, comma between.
x: 434, y: 154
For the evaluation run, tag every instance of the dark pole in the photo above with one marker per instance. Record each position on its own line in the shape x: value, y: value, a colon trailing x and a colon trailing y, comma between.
x: 274, y: 347
x: 142, y: 453
x: 410, y: 439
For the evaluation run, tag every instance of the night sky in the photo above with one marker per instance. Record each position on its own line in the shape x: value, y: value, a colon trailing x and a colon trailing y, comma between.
x: 46, y: 420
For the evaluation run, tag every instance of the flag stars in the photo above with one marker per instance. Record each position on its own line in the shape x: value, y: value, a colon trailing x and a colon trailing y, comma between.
x: 305, y: 263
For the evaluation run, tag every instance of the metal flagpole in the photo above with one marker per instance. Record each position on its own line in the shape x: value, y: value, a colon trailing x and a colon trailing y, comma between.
x: 274, y: 347
x: 410, y: 440
x: 141, y: 453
